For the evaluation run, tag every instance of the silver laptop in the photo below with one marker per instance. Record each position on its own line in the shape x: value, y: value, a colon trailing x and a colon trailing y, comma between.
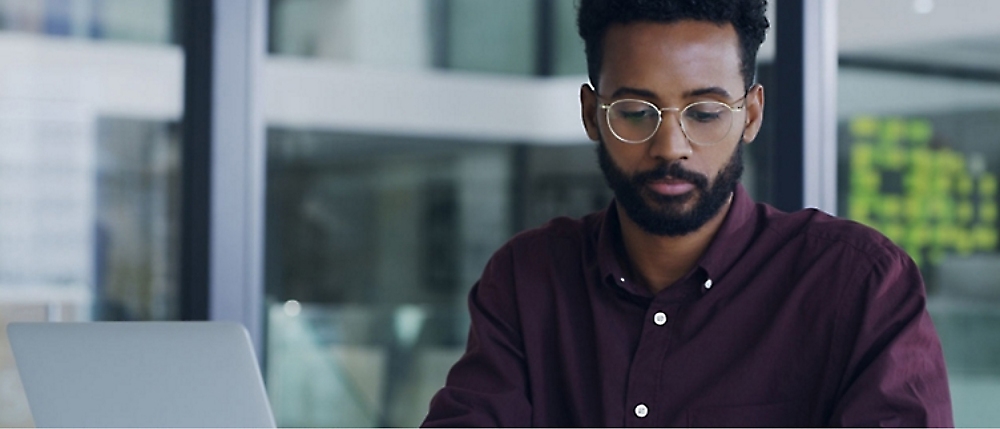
x: 140, y: 374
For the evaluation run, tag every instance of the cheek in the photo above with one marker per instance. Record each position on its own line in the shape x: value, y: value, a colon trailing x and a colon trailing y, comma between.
x: 737, y: 129
x: 606, y: 134
x: 631, y: 158
x: 718, y: 159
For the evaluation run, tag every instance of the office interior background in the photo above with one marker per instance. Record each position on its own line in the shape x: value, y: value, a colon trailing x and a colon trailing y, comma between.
x: 335, y: 173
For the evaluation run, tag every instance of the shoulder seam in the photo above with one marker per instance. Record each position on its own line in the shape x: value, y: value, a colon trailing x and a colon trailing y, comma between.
x: 874, y: 248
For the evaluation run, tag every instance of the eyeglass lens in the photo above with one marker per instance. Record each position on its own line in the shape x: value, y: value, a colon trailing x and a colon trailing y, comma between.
x: 703, y: 123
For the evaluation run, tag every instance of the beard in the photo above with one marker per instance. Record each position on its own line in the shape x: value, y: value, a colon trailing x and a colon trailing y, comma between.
x: 665, y: 215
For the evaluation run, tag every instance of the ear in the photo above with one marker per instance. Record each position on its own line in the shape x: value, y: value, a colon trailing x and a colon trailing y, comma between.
x: 755, y: 112
x: 589, y: 111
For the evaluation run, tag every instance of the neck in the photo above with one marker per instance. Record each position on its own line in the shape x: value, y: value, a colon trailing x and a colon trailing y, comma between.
x: 659, y: 261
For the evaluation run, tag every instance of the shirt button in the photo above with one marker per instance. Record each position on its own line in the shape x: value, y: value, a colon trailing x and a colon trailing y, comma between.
x: 708, y: 284
x: 660, y: 318
x: 641, y: 411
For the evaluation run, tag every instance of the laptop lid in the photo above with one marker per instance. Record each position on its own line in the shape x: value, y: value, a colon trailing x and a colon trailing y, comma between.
x: 140, y: 374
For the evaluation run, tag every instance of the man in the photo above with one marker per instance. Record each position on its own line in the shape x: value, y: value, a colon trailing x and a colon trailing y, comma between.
x: 685, y: 303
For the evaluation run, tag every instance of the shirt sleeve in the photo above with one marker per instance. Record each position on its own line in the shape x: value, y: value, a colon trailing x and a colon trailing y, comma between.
x: 488, y: 385
x: 896, y: 372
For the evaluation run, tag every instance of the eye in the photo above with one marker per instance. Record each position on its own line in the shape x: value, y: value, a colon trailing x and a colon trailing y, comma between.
x: 636, y: 115
x: 635, y: 112
x: 706, y: 112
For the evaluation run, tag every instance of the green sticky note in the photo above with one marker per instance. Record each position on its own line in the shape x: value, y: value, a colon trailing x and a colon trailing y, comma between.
x: 893, y: 130
x: 987, y: 185
x: 865, y: 181
x: 864, y: 126
x: 872, y: 181
x: 920, y: 185
x: 858, y: 208
x: 862, y: 155
x: 988, y: 212
x: 986, y: 238
x: 892, y: 207
x: 894, y: 231
x: 922, y: 160
x: 918, y: 235
x: 897, y: 158
x: 941, y: 185
x: 964, y: 185
x: 920, y: 132
x: 936, y: 207
x: 965, y: 212
x: 914, y: 208
x: 964, y: 242
x: 943, y: 236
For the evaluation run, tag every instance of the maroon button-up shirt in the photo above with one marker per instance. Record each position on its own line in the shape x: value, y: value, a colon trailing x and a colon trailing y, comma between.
x: 797, y: 319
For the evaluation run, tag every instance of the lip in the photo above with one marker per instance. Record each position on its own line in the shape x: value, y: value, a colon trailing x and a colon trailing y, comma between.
x: 671, y: 187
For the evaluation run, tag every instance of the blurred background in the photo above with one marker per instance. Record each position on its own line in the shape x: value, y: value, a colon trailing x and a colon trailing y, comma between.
x: 401, y: 143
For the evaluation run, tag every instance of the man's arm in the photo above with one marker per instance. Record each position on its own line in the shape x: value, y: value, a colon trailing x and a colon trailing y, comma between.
x: 896, y: 373
x: 488, y: 385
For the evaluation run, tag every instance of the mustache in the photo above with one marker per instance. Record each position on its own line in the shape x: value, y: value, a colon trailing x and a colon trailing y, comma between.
x: 672, y: 170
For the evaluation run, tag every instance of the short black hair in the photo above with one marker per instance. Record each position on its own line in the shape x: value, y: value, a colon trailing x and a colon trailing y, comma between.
x: 747, y: 17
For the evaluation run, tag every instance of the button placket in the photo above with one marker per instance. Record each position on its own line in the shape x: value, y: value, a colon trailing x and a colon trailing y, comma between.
x: 645, y: 373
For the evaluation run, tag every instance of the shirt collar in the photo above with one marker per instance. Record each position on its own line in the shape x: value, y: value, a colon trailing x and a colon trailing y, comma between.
x: 729, y: 243
x: 733, y: 237
x: 609, y: 245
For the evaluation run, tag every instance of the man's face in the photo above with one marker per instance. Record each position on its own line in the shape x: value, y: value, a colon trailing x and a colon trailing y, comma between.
x: 669, y: 185
x: 668, y: 215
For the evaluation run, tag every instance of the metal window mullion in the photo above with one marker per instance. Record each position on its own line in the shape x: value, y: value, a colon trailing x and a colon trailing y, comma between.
x: 820, y: 92
x: 805, y: 162
x: 238, y: 166
x: 196, y: 17
x: 545, y: 28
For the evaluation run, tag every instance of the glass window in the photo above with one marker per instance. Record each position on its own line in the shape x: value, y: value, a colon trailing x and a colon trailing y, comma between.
x: 355, y: 31
x: 388, y: 190
x: 569, y: 57
x: 424, y: 33
x: 919, y: 104
x: 504, y: 43
x: 89, y: 167
x: 372, y: 243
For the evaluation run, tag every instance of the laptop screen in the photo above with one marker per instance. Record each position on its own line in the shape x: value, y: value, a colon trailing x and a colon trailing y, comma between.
x: 140, y: 374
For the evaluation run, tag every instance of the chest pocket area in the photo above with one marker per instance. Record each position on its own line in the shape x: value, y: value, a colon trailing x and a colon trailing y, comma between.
x: 783, y: 414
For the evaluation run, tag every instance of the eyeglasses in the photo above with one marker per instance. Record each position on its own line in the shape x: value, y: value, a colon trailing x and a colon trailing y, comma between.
x: 703, y: 122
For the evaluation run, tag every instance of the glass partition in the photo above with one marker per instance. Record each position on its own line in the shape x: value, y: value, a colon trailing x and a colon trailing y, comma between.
x: 424, y: 33
x: 395, y: 170
x: 373, y: 244
x: 919, y: 113
x: 372, y: 241
x: 90, y: 104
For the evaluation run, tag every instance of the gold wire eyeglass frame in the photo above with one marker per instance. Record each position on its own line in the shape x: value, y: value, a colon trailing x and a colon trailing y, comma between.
x: 680, y: 112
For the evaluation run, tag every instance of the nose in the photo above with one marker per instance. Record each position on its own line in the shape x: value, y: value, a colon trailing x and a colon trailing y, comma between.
x: 669, y: 143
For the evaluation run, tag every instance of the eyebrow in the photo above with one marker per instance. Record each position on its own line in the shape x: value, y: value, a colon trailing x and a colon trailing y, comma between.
x: 711, y: 90
x: 633, y: 91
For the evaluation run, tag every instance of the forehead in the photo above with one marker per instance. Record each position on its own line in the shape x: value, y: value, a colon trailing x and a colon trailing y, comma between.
x: 674, y: 57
